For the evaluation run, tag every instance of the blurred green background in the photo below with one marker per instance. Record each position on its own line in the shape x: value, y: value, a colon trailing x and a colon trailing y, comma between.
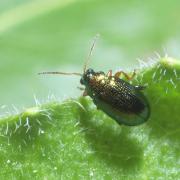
x: 52, y: 35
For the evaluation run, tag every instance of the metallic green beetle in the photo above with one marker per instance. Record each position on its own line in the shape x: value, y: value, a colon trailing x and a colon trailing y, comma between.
x: 119, y: 99
x: 116, y: 97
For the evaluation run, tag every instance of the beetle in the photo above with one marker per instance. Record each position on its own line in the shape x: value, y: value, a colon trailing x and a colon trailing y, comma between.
x: 122, y: 101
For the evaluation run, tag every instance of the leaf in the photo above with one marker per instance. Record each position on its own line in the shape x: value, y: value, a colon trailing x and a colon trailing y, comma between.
x: 73, y: 140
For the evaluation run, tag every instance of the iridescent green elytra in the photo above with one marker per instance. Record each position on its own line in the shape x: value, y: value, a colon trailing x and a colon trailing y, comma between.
x: 120, y: 100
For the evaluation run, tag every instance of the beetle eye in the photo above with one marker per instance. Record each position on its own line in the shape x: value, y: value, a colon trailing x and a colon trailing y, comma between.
x: 90, y: 71
x: 89, y: 75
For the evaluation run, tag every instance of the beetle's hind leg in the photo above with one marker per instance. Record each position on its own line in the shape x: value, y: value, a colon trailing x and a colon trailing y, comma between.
x: 118, y: 74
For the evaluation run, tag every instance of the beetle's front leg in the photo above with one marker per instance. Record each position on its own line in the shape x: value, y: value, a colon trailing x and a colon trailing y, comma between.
x: 118, y: 74
x: 81, y: 88
x: 85, y: 93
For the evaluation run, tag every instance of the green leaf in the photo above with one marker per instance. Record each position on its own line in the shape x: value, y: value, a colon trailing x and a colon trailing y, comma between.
x: 74, y: 140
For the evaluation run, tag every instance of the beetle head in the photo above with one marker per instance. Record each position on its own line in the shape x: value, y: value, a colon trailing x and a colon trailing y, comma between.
x: 87, y: 76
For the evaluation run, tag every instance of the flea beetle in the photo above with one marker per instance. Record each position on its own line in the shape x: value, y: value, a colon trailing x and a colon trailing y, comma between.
x: 119, y: 99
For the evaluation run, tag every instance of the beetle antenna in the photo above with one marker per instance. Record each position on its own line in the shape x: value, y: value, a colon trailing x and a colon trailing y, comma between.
x: 90, y: 52
x: 63, y: 73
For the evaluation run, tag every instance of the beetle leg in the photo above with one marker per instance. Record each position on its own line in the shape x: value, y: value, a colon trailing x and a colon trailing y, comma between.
x: 118, y: 74
x: 109, y: 73
x: 81, y: 88
x: 85, y: 93
x: 140, y: 88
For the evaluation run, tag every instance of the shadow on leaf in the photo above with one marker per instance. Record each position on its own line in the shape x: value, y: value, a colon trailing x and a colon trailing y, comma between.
x: 109, y: 141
